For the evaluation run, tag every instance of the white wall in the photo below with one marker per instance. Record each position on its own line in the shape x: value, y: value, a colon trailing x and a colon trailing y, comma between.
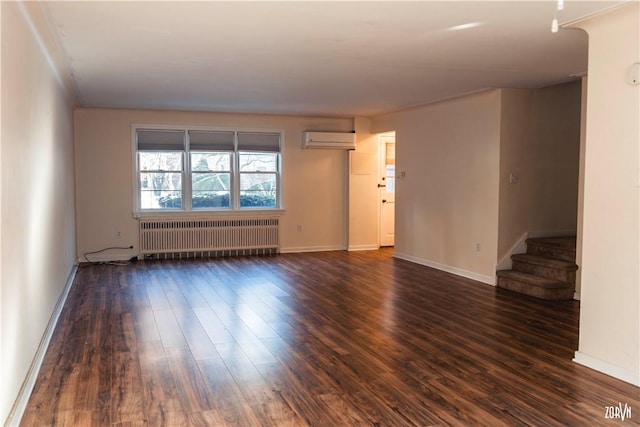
x: 556, y: 124
x: 580, y: 216
x: 315, y: 181
x: 448, y: 202
x: 516, y: 145
x: 363, y: 189
x: 540, y: 145
x: 610, y: 273
x: 458, y: 156
x: 37, y: 223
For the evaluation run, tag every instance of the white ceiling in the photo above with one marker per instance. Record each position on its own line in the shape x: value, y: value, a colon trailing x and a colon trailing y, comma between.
x: 325, y: 58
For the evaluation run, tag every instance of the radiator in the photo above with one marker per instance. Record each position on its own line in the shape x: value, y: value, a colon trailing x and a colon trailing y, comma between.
x: 170, y: 238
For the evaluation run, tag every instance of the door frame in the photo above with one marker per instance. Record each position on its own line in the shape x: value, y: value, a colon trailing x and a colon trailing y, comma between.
x: 382, y: 141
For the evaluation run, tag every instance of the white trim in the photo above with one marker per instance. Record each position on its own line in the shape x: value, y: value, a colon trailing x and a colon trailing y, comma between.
x: 186, y: 170
x: 135, y: 185
x: 576, y: 296
x: 381, y: 166
x: 363, y: 248
x: 50, y: 48
x: 573, y: 23
x: 520, y: 246
x: 489, y: 280
x: 208, y: 214
x: 312, y: 249
x: 20, y: 404
x: 607, y: 368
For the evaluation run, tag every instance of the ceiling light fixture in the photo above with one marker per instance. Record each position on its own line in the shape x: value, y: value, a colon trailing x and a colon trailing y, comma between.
x: 465, y: 26
x: 554, y: 23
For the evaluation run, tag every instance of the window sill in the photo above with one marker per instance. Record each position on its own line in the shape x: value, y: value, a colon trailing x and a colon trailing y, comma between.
x: 208, y: 214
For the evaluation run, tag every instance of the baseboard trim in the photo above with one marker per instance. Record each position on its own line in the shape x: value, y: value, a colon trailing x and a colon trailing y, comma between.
x: 520, y: 246
x: 363, y: 248
x: 312, y: 249
x: 489, y: 280
x: 607, y: 368
x: 576, y: 296
x: 20, y: 404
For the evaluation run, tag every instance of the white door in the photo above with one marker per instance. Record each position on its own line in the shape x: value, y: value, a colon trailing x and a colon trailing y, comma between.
x: 387, y: 189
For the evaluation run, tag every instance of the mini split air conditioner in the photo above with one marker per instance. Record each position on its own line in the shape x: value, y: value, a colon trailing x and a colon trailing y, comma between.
x: 330, y: 140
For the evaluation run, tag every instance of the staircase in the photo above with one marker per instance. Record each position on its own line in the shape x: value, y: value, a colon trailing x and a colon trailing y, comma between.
x: 546, y: 271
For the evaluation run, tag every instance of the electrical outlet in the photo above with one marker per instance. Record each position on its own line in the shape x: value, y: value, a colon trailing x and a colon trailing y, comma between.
x: 477, y: 247
x: 118, y: 234
x: 299, y: 227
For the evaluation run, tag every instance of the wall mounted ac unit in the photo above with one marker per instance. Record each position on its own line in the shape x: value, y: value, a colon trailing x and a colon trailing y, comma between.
x: 331, y: 140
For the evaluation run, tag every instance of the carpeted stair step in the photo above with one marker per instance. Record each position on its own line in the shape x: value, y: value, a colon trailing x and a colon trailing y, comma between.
x: 563, y: 271
x: 562, y: 248
x: 536, y: 286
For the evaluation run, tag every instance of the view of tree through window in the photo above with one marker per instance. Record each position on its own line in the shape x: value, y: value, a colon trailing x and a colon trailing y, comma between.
x: 258, y: 179
x: 210, y: 180
x: 160, y: 177
x: 221, y: 171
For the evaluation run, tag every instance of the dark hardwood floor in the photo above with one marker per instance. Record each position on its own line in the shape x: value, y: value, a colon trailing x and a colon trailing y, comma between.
x: 326, y: 339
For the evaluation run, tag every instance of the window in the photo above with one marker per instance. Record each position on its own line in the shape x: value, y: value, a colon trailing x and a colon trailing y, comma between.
x: 210, y: 157
x: 258, y: 166
x: 190, y: 169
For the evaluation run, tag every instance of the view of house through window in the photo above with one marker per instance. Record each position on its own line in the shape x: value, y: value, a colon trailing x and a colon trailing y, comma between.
x: 207, y: 169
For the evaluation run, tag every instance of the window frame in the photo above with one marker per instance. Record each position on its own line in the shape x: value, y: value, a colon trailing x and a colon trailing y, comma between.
x: 210, y: 171
x: 187, y: 173
x: 240, y: 173
x: 179, y: 172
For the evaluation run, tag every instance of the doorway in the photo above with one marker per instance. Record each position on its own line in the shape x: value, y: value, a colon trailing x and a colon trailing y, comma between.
x: 387, y: 188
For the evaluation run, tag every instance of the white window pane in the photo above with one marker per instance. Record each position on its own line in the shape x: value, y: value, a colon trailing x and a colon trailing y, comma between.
x: 390, y: 178
x: 161, y: 181
x: 210, y: 190
x: 258, y: 162
x: 210, y: 199
x: 210, y: 181
x: 160, y: 190
x: 258, y: 190
x: 211, y: 171
x: 210, y: 162
x: 160, y: 161
x: 160, y: 199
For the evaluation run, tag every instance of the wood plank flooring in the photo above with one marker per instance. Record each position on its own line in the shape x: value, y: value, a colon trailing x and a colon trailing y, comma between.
x: 324, y: 339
